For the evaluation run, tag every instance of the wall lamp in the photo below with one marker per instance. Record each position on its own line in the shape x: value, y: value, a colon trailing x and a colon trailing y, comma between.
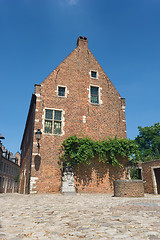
x: 38, y: 137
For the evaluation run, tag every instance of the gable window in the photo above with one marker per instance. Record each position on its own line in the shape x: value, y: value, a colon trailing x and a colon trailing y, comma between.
x: 94, y: 94
x: 53, y: 121
x: 94, y: 74
x: 61, y: 91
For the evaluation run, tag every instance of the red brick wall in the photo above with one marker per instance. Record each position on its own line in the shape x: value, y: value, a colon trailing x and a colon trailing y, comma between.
x: 106, y: 119
x: 97, y: 177
x: 128, y: 188
x: 148, y: 176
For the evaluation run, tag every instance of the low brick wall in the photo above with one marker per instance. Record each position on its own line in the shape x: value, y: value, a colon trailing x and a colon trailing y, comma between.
x: 128, y: 188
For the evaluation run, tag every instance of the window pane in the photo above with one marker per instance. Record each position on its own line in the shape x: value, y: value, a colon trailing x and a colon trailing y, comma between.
x: 61, y: 91
x: 94, y: 91
x: 57, y: 127
x: 57, y: 115
x: 1, y: 166
x: 94, y: 95
x: 48, y: 126
x: 94, y: 99
x: 49, y: 114
x: 93, y: 74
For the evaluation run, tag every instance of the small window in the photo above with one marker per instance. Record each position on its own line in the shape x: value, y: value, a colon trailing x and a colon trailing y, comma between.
x: 53, y: 121
x: 94, y: 91
x: 94, y: 74
x: 61, y: 91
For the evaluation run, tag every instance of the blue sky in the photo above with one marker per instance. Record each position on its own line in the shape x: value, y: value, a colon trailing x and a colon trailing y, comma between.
x: 36, y: 35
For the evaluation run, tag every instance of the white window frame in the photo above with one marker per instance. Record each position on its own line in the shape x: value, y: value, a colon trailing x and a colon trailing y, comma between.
x: 62, y: 121
x: 66, y: 91
x: 99, y: 94
x: 91, y: 74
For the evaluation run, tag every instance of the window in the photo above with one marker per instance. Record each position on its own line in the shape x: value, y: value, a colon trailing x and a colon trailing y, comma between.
x: 1, y: 166
x: 94, y: 74
x: 53, y: 121
x: 4, y: 167
x: 94, y: 94
x: 61, y: 91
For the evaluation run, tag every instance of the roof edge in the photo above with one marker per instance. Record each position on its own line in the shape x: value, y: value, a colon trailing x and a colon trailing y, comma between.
x: 33, y: 101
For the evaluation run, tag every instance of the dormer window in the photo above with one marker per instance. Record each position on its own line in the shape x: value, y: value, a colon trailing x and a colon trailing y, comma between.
x: 94, y: 74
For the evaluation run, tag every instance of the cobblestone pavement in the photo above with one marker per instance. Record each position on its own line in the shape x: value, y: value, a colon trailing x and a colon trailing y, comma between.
x: 81, y: 216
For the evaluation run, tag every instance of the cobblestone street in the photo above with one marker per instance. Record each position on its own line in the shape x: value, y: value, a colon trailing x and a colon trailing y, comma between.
x: 81, y: 216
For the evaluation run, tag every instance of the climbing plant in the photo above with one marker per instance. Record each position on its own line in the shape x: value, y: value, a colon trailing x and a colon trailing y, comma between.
x: 75, y: 151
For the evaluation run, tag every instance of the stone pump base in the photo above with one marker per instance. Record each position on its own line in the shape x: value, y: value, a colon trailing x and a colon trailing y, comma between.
x: 68, y: 182
x: 128, y: 188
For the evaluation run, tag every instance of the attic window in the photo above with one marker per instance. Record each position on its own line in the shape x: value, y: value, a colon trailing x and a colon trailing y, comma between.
x: 61, y: 91
x: 94, y: 74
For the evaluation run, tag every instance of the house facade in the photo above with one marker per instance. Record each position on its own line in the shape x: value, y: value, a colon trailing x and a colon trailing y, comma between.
x: 77, y: 98
x: 9, y: 171
x: 151, y: 176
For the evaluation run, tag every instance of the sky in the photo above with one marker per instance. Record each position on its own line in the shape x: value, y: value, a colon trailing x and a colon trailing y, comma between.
x: 36, y: 35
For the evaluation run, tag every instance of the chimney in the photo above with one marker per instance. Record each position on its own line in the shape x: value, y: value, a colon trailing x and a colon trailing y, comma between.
x: 123, y: 103
x: 82, y: 42
x: 37, y: 90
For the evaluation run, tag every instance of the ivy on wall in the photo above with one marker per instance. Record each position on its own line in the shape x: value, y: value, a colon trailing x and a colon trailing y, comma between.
x: 75, y: 151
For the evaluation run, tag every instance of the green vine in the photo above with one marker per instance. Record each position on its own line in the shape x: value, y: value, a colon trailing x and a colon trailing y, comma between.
x: 75, y: 151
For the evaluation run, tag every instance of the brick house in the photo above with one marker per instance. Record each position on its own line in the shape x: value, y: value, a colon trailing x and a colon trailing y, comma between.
x: 9, y: 171
x: 151, y: 176
x: 77, y: 98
